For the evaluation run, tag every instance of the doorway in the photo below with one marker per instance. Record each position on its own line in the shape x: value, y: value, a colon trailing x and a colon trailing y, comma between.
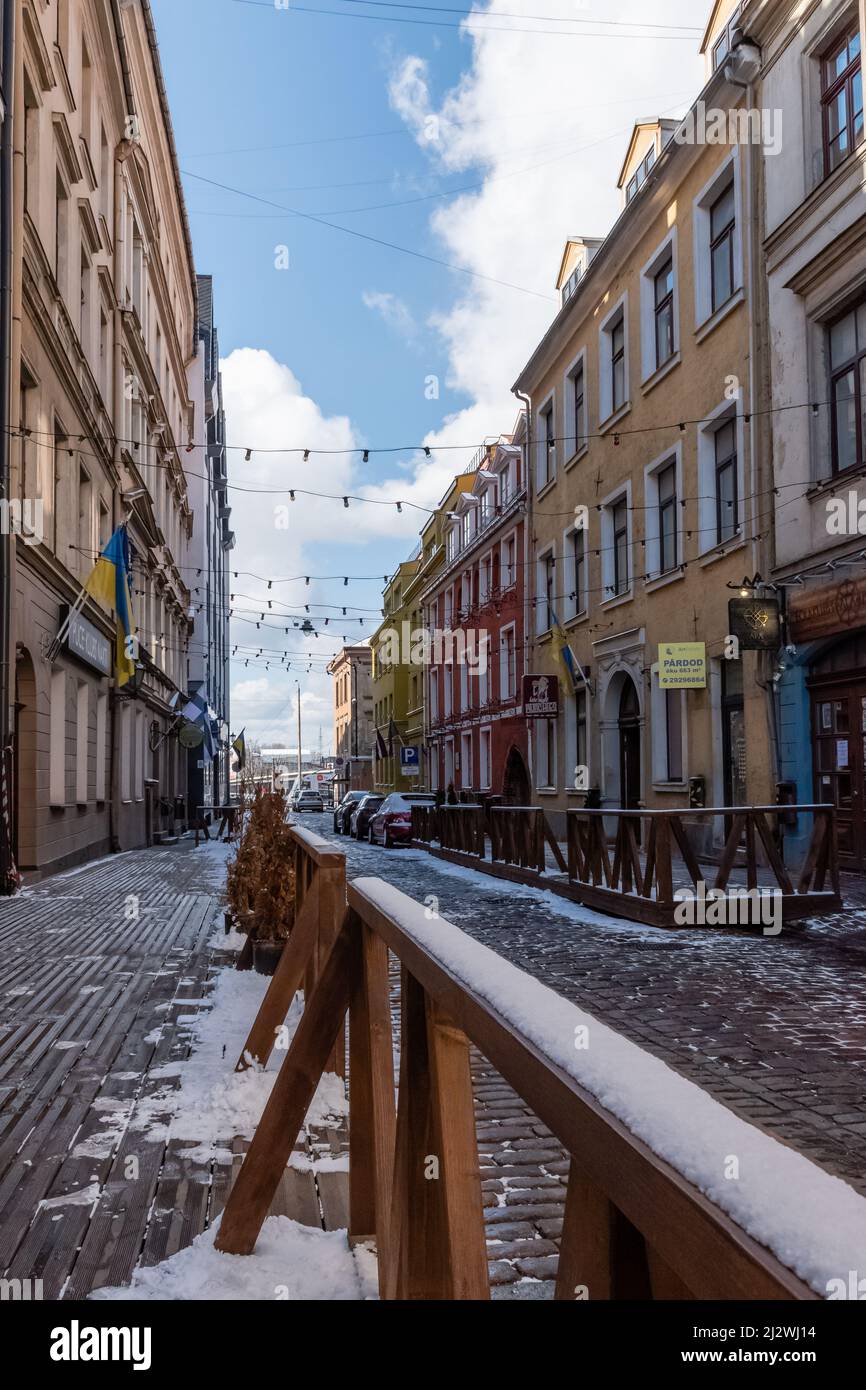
x: 629, y: 746
x: 838, y: 710
x: 733, y: 734
x: 515, y: 783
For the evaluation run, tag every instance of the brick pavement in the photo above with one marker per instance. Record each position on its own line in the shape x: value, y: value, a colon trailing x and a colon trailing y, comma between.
x: 773, y: 1027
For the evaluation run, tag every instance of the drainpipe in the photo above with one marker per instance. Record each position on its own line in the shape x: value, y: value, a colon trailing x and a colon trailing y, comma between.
x: 529, y: 540
x: 8, y: 97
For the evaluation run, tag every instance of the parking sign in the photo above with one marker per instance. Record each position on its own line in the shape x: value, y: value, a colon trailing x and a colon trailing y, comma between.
x: 410, y: 761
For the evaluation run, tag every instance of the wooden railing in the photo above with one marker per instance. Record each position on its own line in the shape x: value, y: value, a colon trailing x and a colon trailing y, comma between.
x: 462, y: 828
x: 617, y: 874
x: 633, y: 1226
x: 517, y: 834
x: 320, y: 892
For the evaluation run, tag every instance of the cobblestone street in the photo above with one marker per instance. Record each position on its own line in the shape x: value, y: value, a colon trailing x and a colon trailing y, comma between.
x: 773, y: 1027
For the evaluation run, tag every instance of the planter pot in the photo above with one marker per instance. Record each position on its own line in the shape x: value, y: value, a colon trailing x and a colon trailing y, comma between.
x: 266, y: 956
x: 245, y: 959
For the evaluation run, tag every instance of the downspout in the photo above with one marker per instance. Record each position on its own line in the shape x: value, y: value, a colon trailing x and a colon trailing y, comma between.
x: 8, y: 880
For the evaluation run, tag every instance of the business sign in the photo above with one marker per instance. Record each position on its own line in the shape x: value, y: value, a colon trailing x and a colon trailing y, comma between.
x: 682, y: 666
x: 755, y: 623
x: 410, y: 760
x: 88, y: 644
x: 824, y: 611
x: 541, y: 697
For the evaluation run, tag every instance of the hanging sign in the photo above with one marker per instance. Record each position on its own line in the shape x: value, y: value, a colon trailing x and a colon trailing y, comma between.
x: 755, y: 623
x: 682, y: 666
x: 540, y: 697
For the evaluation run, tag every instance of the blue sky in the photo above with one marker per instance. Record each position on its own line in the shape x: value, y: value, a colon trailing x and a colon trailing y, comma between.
x: 328, y: 113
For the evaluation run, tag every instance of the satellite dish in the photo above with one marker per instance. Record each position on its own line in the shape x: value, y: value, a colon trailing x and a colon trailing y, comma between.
x: 191, y: 736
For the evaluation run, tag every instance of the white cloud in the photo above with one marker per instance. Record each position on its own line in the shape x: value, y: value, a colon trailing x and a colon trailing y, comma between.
x: 394, y: 311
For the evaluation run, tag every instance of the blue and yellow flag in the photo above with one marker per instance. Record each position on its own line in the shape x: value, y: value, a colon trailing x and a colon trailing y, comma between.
x: 567, y: 656
x: 109, y: 582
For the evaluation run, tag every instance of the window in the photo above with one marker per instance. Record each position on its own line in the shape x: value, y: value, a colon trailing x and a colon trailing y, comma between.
x: 101, y: 725
x: 466, y: 760
x: 667, y: 517
x: 508, y: 564
x: 86, y: 94
x: 724, y: 43
x: 545, y: 742
x: 726, y: 490
x: 722, y: 225
x: 448, y: 679
x: 484, y: 670
x: 575, y: 410
x: 841, y: 99
x: 31, y: 147
x: 464, y: 687
x: 639, y: 177
x: 484, y: 759
x: 85, y: 304
x: 575, y: 573
x: 82, y: 743
x: 86, y: 556
x: 507, y: 669
x: 485, y: 579
x: 674, y: 734
x: 545, y: 598
x: 545, y: 470
x: 434, y: 696
x: 576, y: 747
x: 61, y: 232
x: 449, y: 762
x: 613, y: 364
x: 619, y: 522
x: 848, y: 387
x: 57, y: 740
x: 663, y: 293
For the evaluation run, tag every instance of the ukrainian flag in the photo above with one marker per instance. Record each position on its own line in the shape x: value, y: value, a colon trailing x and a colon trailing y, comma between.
x: 566, y: 655
x: 109, y: 582
x: 240, y: 746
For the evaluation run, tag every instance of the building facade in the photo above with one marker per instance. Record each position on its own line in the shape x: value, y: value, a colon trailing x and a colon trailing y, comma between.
x: 815, y: 350
x: 475, y: 615
x: 354, y: 725
x: 396, y: 680
x: 644, y: 484
x: 105, y: 297
x: 210, y: 548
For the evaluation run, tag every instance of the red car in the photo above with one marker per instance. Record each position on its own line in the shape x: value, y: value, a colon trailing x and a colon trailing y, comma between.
x: 392, y: 823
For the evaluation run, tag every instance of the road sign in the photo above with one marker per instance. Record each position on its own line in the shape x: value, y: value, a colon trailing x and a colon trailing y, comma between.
x: 410, y: 760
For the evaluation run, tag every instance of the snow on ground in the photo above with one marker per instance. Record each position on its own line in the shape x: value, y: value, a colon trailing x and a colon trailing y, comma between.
x: 214, y: 1101
x: 813, y: 1222
x: 290, y: 1262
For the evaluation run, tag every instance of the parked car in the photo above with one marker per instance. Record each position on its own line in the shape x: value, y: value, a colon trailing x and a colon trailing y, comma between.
x: 308, y: 801
x: 391, y: 824
x: 347, y: 805
x: 360, y: 817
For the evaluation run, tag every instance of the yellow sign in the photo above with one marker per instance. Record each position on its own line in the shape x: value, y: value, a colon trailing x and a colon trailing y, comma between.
x: 682, y: 666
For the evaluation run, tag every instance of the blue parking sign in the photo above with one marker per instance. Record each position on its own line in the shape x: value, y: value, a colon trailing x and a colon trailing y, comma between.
x: 410, y: 762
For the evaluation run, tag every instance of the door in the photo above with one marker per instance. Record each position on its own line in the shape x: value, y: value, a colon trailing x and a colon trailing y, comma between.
x: 839, y: 748
x: 733, y: 735
x: 629, y: 748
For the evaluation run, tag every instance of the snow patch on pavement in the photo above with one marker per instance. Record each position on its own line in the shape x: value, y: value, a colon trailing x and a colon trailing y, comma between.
x: 290, y: 1263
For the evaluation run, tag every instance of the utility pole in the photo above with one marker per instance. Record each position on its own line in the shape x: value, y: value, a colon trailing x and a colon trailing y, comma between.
x: 298, y: 684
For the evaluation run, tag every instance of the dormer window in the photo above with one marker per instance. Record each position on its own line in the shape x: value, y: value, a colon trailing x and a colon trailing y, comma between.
x: 639, y: 177
x: 725, y: 42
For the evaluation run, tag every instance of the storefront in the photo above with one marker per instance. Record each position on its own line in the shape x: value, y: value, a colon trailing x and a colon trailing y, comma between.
x: 823, y: 702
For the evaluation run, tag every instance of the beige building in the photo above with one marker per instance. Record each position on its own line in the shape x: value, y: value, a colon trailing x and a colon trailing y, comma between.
x: 105, y: 326
x: 640, y: 394
x: 397, y: 683
x: 354, y: 725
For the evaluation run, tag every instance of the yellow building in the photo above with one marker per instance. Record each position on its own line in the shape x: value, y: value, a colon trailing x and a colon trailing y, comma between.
x: 393, y: 682
x: 640, y: 398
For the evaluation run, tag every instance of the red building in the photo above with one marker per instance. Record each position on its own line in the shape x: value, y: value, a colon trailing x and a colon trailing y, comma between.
x: 475, y: 733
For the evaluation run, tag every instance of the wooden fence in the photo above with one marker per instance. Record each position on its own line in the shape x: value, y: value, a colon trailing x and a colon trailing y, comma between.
x: 616, y: 875
x: 633, y: 1227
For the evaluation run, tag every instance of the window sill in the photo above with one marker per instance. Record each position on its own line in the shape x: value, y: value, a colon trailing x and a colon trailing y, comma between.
x: 617, y: 600
x: 546, y: 791
x: 607, y: 425
x: 660, y: 373
x: 718, y: 552
x: 672, y: 788
x: 662, y: 580
x: 577, y: 620
x: 575, y: 458
x: 548, y: 487
x: 844, y: 478
x: 709, y: 325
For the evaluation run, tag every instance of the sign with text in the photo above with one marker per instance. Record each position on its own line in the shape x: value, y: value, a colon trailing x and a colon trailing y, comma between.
x: 682, y: 666
x: 88, y: 644
x: 410, y: 760
x: 541, y: 697
x: 829, y: 609
x: 755, y: 623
